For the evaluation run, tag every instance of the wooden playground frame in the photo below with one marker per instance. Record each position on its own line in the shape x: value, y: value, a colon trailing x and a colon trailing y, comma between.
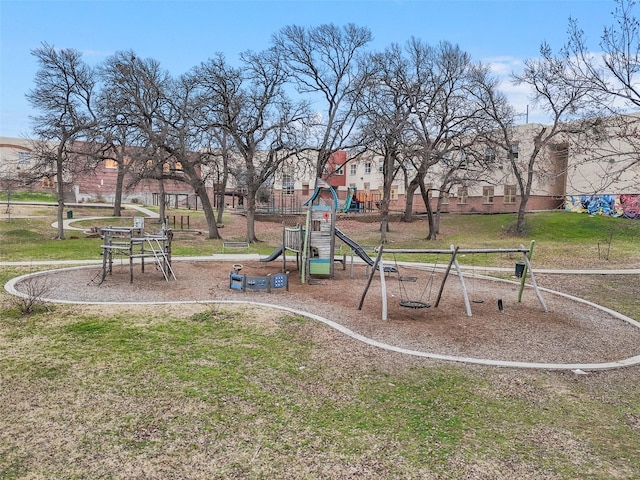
x: 453, y: 262
x: 292, y: 240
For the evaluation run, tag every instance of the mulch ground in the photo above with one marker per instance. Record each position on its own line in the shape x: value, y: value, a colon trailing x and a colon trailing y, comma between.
x: 569, y: 332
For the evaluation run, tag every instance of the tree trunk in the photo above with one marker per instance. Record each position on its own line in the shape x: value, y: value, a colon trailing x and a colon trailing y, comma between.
x: 408, y: 201
x: 321, y: 162
x: 250, y: 210
x: 117, y: 201
x: 207, y: 208
x: 521, y: 214
x: 161, y: 214
x: 60, y: 195
x: 384, y: 220
x: 436, y: 223
x: 220, y: 195
x: 431, y: 235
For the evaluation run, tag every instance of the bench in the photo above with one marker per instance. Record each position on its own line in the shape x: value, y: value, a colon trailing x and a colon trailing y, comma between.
x: 235, y: 245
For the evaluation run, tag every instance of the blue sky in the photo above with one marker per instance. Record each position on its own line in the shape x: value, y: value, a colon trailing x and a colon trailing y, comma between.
x: 182, y: 34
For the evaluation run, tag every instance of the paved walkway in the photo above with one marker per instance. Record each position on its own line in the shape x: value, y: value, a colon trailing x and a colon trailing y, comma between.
x: 68, y: 223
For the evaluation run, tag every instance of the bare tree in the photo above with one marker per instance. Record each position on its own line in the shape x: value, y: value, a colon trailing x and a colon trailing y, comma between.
x: 15, y: 174
x: 565, y: 100
x: 165, y: 113
x: 323, y: 61
x: 221, y: 155
x: 9, y: 183
x: 250, y: 104
x: 612, y: 77
x: 439, y: 83
x: 63, y: 96
x: 133, y: 100
x: 383, y: 123
x: 117, y: 137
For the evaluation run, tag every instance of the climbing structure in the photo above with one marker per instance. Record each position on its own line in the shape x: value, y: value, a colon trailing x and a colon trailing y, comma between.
x: 319, y: 239
x: 134, y: 244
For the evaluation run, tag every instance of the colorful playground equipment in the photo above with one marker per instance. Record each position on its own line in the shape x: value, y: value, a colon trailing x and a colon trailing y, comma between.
x: 351, y: 191
x: 241, y: 282
x: 315, y: 245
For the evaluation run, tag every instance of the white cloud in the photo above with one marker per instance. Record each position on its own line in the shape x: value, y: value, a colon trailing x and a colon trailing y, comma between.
x: 504, y: 66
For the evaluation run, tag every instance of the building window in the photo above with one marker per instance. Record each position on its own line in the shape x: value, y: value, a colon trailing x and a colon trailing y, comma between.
x: 514, y: 150
x: 110, y: 163
x: 380, y: 167
x: 510, y: 193
x: 288, y: 189
x: 464, y: 160
x: 24, y: 158
x: 288, y: 184
x: 445, y: 198
x: 339, y: 170
x: 463, y: 195
x: 394, y: 193
x: 353, y: 169
x: 367, y: 167
x: 47, y: 182
x: 487, y: 195
x: 489, y: 155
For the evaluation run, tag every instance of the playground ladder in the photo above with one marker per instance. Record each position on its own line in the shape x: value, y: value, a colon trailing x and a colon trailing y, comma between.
x: 161, y: 257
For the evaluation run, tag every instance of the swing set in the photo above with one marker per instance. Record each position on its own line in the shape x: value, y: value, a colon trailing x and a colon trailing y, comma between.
x: 407, y: 301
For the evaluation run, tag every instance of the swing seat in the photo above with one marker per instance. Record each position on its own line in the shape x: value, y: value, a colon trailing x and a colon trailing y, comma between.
x: 415, y: 304
x: 407, y: 279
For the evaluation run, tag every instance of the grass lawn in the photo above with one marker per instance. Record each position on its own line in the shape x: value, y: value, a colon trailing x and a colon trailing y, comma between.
x: 197, y: 391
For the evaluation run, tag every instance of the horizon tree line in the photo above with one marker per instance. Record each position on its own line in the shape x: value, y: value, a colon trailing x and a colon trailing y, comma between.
x: 425, y: 110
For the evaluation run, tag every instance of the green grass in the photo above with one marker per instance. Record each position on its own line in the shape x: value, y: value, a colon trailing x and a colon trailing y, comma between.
x: 29, y: 197
x: 175, y: 388
x: 228, y: 392
x: 557, y: 235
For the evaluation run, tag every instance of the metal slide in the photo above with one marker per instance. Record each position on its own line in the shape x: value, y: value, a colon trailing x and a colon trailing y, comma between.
x: 355, y: 246
x: 274, y: 255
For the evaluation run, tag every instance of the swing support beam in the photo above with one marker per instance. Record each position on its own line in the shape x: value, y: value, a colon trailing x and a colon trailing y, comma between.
x: 453, y: 262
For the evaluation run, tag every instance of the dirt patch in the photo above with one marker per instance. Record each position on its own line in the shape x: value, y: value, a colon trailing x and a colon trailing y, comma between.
x: 569, y: 332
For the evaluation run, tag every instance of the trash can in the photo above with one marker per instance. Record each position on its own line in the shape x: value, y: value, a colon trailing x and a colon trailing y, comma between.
x: 69, y: 214
x: 520, y: 269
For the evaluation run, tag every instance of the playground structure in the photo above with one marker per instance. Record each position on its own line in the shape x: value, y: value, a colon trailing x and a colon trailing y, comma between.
x: 363, y: 201
x: 71, y: 287
x: 351, y: 192
x: 315, y: 245
x: 241, y: 282
x: 134, y: 244
x: 292, y: 240
x: 319, y: 243
x: 454, y: 251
